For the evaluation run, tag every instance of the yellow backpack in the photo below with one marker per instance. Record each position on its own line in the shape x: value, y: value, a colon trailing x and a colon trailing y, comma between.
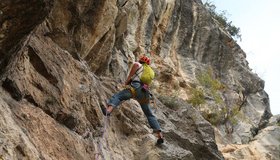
x: 148, y: 74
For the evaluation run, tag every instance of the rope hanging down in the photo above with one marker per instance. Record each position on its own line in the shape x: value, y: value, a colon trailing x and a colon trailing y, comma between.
x: 105, y: 120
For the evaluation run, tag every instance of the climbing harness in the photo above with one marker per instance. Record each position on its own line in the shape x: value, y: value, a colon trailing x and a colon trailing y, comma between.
x: 144, y: 100
x: 132, y: 91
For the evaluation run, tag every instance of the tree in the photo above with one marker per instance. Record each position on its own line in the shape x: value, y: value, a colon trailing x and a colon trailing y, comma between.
x: 223, y: 21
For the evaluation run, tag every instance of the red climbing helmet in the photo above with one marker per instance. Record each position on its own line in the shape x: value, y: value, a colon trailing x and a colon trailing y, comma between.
x: 145, y: 60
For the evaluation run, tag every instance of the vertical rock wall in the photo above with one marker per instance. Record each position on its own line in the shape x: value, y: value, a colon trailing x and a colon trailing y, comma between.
x: 60, y: 60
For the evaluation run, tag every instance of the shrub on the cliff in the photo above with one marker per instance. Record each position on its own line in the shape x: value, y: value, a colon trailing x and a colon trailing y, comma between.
x: 222, y: 19
x: 217, y: 116
x: 212, y: 85
x: 214, y: 117
x: 234, y: 114
x: 231, y: 115
x: 197, y: 97
x: 207, y: 80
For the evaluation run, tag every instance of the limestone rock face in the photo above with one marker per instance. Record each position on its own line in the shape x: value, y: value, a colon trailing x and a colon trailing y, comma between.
x: 61, y: 60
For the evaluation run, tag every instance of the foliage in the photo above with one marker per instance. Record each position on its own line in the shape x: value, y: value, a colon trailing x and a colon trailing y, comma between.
x: 222, y: 19
x: 207, y: 80
x: 231, y: 116
x: 213, y: 118
x: 212, y: 86
x: 220, y: 116
x: 216, y: 116
x: 197, y: 97
x: 234, y: 114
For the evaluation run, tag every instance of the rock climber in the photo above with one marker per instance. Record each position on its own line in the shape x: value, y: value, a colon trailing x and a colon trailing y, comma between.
x: 138, y: 80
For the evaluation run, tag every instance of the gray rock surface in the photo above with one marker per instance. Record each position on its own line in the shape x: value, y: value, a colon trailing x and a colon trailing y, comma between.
x: 61, y: 60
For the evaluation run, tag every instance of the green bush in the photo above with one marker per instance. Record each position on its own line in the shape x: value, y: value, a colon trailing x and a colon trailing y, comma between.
x: 222, y: 19
x: 223, y: 115
x: 217, y: 98
x: 235, y: 114
x: 197, y: 97
x: 207, y: 80
x: 213, y: 118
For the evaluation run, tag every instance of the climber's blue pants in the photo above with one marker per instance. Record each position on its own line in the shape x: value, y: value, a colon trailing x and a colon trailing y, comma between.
x: 142, y: 97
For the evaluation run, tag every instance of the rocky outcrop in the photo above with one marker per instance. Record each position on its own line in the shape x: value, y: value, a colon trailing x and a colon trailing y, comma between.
x: 61, y: 60
x: 263, y: 146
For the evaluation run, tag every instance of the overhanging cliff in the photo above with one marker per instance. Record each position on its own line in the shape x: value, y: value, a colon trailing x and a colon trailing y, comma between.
x: 61, y: 60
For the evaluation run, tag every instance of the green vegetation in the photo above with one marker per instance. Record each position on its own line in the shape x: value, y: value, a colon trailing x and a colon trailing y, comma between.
x: 222, y: 19
x: 224, y: 115
x: 197, y: 97
x: 215, y: 117
x: 232, y: 115
x: 218, y: 113
x: 208, y: 81
x: 212, y: 86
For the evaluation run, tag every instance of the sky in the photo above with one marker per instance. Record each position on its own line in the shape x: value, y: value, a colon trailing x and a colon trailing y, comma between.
x: 259, y: 23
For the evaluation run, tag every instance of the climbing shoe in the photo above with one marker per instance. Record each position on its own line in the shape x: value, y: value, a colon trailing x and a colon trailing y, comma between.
x: 104, y: 111
x: 160, y: 139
